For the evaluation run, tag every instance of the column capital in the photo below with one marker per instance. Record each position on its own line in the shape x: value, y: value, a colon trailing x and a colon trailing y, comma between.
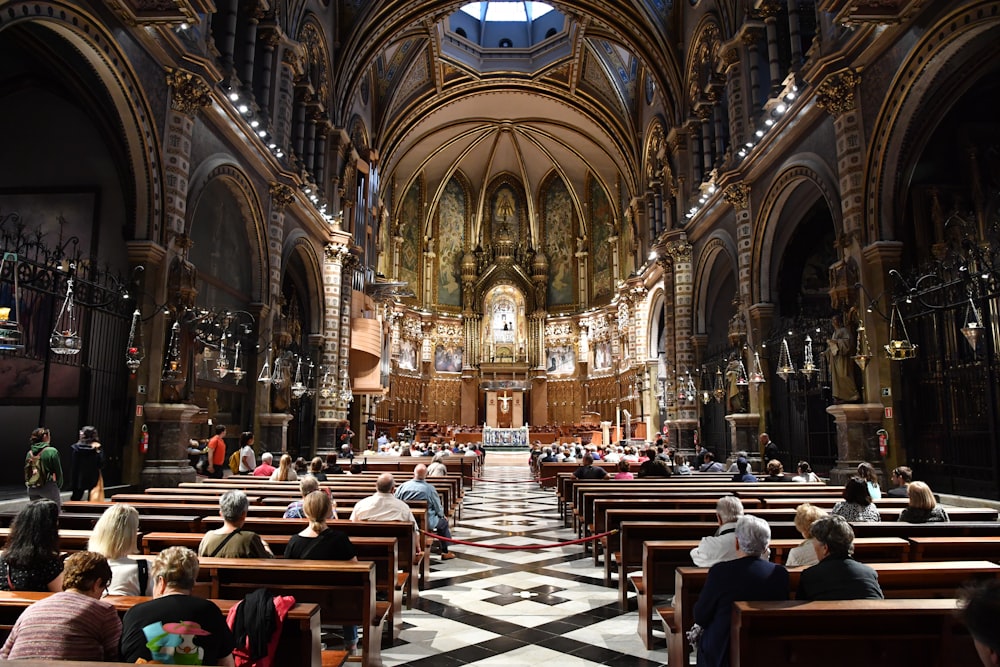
x: 281, y: 195
x: 835, y: 94
x: 336, y: 252
x: 189, y: 91
x: 737, y: 195
x: 679, y: 249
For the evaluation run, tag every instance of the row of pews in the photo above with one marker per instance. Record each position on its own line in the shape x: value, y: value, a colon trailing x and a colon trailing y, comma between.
x: 656, y: 523
x: 393, y: 559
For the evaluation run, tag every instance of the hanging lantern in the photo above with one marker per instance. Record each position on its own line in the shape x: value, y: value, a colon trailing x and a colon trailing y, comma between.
x: 719, y: 392
x: 172, y: 359
x: 757, y: 375
x: 785, y: 367
x: 65, y: 338
x: 222, y: 362
x: 133, y: 349
x: 808, y: 366
x: 237, y: 371
x: 298, y: 389
x: 265, y: 372
x: 973, y: 328
x: 741, y: 375
x: 899, y: 349
x: 11, y: 336
x: 310, y: 385
x: 278, y: 378
x: 863, y: 353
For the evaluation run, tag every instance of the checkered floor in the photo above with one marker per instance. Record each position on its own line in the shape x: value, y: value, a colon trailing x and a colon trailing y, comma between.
x: 517, y: 607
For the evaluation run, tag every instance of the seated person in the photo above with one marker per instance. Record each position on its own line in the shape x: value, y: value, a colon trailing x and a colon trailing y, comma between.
x: 721, y: 546
x: 30, y: 560
x: 623, y: 471
x: 588, y: 470
x: 231, y: 541
x: 979, y: 610
x: 775, y: 471
x: 923, y: 508
x: 265, y: 469
x: 681, y: 466
x: 901, y: 477
x: 804, y: 555
x: 837, y: 576
x: 733, y: 468
x: 709, y: 464
x: 176, y: 626
x: 747, y: 577
x: 114, y: 537
x: 744, y: 474
x: 332, y: 467
x: 867, y: 472
x: 74, y: 624
x: 653, y: 466
x: 806, y: 473
x: 307, y: 485
x: 857, y: 505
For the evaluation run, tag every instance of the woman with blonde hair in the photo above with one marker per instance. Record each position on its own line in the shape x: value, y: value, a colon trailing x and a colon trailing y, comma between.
x: 317, y: 541
x: 804, y: 555
x: 285, y: 471
x: 114, y: 537
x: 923, y: 508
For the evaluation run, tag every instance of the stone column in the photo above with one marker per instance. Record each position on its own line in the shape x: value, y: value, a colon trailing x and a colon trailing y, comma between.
x: 737, y: 195
x: 273, y: 431
x: 794, y: 34
x: 744, y: 429
x: 225, y: 40
x: 254, y: 15
x: 332, y: 409
x: 734, y: 94
x: 856, y: 438
x: 269, y: 42
x: 761, y: 319
x: 171, y: 426
x: 751, y: 38
x: 284, y: 102
x: 769, y: 9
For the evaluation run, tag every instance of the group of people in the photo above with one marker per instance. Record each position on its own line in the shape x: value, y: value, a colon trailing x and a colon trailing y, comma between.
x: 43, y: 470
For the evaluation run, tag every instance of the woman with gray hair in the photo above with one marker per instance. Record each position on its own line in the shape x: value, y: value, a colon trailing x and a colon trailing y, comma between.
x: 837, y: 576
x: 231, y: 541
x: 749, y: 577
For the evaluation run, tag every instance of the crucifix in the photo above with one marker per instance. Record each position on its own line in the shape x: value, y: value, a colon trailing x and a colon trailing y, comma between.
x: 505, y: 403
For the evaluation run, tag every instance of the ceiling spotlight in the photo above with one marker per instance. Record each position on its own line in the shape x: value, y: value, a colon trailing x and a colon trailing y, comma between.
x: 759, y: 133
x: 255, y: 123
x: 243, y: 108
x: 789, y: 97
x: 233, y: 96
x: 781, y: 108
x: 261, y: 133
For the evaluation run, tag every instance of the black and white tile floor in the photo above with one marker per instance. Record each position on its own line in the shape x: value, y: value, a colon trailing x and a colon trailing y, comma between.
x: 507, y: 608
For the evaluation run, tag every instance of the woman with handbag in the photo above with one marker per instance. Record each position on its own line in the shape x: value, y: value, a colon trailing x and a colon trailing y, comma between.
x: 88, y: 458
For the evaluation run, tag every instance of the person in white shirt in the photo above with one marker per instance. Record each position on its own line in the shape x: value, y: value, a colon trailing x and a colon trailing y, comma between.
x: 383, y: 505
x: 248, y: 459
x: 804, y: 555
x: 721, y: 546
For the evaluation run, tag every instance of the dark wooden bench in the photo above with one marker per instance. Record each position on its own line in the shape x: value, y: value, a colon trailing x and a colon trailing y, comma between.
x: 888, y: 633
x: 956, y: 548
x: 898, y: 580
x: 300, y: 634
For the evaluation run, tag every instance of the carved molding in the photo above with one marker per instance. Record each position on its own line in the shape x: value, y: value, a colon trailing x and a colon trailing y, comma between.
x: 281, y: 194
x: 170, y: 12
x: 738, y: 196
x: 679, y: 249
x: 190, y: 92
x: 836, y: 93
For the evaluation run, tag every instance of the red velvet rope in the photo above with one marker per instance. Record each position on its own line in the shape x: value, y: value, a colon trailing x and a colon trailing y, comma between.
x: 527, y: 547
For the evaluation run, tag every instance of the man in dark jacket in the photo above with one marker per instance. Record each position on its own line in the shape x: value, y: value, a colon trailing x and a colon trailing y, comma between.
x: 837, y: 576
x: 653, y: 466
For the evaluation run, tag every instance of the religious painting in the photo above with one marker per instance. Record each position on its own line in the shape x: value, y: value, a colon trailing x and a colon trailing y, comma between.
x: 560, y: 360
x: 505, y: 210
x: 451, y: 238
x: 559, y: 243
x: 408, y: 355
x: 448, y: 358
x: 602, y: 356
x: 410, y: 221
x: 602, y: 221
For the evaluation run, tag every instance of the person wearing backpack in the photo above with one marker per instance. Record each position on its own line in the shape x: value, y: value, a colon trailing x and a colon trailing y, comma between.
x: 43, y: 474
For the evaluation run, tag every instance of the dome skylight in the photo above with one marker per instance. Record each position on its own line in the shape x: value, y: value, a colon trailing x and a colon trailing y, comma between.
x: 506, y: 11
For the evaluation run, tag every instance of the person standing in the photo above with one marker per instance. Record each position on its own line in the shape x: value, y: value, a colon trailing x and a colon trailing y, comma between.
x: 248, y: 459
x: 217, y: 453
x: 770, y: 449
x: 43, y: 474
x: 88, y: 458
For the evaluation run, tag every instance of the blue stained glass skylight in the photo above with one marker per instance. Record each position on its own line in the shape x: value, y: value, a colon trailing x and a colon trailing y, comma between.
x: 496, y: 10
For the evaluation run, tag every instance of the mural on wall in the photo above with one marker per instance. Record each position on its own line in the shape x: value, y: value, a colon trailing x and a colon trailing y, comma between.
x: 408, y: 355
x: 409, y: 229
x: 602, y: 356
x: 561, y: 360
x: 505, y: 209
x: 558, y: 211
x: 601, y: 221
x: 451, y: 237
x: 448, y: 358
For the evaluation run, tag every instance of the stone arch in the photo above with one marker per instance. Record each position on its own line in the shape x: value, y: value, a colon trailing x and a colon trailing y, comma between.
x: 938, y: 70
x: 703, y: 58
x: 769, y: 237
x: 298, y: 245
x: 654, y: 330
x: 715, y: 257
x: 317, y: 64
x: 100, y: 50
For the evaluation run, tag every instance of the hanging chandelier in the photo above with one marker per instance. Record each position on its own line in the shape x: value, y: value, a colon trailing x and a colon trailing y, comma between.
x: 785, y: 367
x: 172, y: 359
x: 237, y: 371
x: 265, y: 372
x: 973, y: 329
x: 325, y: 388
x: 133, y: 348
x: 298, y: 388
x: 808, y: 365
x: 899, y: 349
x: 65, y: 338
x: 757, y: 374
x: 863, y: 352
x: 222, y: 361
x: 719, y: 392
x: 11, y: 336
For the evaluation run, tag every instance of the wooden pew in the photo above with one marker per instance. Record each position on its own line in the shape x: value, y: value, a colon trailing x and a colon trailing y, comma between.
x: 888, y: 633
x: 345, y: 592
x: 956, y: 548
x: 660, y: 558
x: 300, y: 634
x: 898, y: 580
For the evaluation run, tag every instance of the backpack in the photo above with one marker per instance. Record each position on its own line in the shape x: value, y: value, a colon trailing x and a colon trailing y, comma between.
x: 234, y: 462
x: 33, y: 475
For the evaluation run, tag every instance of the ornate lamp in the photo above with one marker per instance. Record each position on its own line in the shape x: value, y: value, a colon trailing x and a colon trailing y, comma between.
x: 172, y: 359
x: 899, y: 349
x: 298, y: 389
x: 237, y: 371
x: 785, y: 367
x: 863, y: 353
x: 133, y: 349
x: 265, y: 371
x: 741, y: 374
x: 757, y: 374
x: 808, y: 365
x: 719, y: 392
x: 325, y: 388
x: 222, y: 362
x: 65, y: 338
x: 973, y: 329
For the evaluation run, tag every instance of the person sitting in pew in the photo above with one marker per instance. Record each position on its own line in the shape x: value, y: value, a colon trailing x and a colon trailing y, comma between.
x: 804, y: 555
x: 623, y: 471
x: 30, y: 559
x: 332, y: 467
x: 721, y: 546
x: 653, y: 466
x: 589, y: 471
x: 857, y: 505
x: 175, y: 627
x: 775, y: 471
x: 307, y: 485
x: 317, y: 541
x: 709, y: 464
x: 748, y: 577
x: 744, y: 474
x: 265, y: 469
x: 231, y: 541
x: 74, y: 624
x: 285, y: 471
x: 419, y: 488
x: 317, y: 470
x: 979, y: 610
x: 382, y: 505
x: 115, y: 537
x: 922, y: 507
x: 681, y: 466
x: 806, y: 473
x: 837, y: 576
x: 867, y: 472
x: 901, y: 478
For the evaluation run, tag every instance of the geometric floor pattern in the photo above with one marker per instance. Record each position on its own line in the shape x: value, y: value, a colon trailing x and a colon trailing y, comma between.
x: 512, y: 608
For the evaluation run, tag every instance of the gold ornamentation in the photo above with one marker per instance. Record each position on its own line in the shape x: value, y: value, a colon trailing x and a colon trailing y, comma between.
x: 680, y: 250
x: 769, y: 9
x: 836, y: 93
x: 281, y: 195
x: 336, y: 252
x: 190, y: 92
x: 738, y: 196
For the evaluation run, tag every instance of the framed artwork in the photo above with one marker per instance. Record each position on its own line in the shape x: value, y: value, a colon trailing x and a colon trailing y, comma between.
x: 560, y: 360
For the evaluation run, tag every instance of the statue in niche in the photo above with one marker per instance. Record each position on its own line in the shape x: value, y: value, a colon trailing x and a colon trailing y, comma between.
x: 838, y: 357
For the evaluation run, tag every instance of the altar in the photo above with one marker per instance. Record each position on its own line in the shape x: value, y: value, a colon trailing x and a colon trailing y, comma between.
x: 505, y: 438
